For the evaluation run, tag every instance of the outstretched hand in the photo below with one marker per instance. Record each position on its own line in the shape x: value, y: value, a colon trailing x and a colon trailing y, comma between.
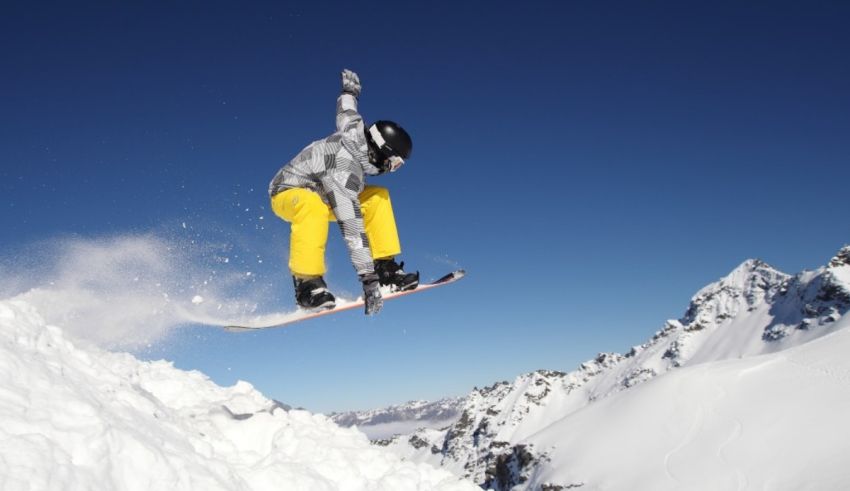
x: 372, y: 293
x: 350, y: 83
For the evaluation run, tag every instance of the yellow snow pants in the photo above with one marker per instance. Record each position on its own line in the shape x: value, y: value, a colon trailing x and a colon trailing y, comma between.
x: 309, y: 217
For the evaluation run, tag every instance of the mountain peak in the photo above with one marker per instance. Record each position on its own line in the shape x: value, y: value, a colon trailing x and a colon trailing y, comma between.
x: 841, y: 259
x: 746, y: 286
x: 742, y: 275
x: 746, y: 276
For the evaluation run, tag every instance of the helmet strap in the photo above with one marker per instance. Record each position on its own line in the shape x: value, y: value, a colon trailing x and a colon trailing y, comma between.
x: 377, y: 137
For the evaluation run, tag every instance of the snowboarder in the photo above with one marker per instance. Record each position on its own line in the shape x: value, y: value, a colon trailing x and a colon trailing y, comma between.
x: 326, y: 182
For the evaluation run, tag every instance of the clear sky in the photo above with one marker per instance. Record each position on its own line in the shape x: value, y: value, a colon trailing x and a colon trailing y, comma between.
x: 590, y: 164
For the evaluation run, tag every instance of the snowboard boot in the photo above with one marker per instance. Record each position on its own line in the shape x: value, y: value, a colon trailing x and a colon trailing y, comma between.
x: 313, y: 294
x: 391, y: 273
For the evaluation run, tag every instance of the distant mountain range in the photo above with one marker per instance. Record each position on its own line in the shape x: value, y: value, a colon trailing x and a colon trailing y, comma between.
x: 402, y: 418
x: 541, y: 430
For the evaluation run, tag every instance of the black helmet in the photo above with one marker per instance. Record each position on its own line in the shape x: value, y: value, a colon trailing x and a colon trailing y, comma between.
x: 387, y: 139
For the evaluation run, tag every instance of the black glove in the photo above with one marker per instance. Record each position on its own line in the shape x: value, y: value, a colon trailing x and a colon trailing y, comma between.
x: 350, y: 83
x: 372, y: 293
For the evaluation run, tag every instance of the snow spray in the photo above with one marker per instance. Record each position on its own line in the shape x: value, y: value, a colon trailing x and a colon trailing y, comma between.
x: 130, y: 291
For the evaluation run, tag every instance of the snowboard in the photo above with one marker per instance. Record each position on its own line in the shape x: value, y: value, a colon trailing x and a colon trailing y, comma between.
x: 284, y: 319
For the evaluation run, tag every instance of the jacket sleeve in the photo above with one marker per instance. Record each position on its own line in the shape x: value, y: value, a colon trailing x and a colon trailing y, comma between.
x: 341, y: 189
x: 347, y: 117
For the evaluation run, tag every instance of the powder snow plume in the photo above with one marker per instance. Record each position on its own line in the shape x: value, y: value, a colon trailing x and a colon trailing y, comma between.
x: 131, y: 290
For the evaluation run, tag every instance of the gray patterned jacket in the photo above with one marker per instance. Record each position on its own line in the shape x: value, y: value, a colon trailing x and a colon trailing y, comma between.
x: 335, y: 168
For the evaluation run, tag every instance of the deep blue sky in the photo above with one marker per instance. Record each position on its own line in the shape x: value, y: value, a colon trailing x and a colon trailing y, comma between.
x: 591, y: 164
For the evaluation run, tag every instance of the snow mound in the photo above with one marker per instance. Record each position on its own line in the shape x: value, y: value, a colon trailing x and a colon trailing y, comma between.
x: 75, y: 418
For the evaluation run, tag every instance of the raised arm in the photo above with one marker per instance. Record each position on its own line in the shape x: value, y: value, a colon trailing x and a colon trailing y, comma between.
x: 347, y: 116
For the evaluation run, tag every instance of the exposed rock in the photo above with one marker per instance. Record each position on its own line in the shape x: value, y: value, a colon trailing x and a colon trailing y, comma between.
x: 841, y: 259
x: 417, y: 442
x: 510, y: 469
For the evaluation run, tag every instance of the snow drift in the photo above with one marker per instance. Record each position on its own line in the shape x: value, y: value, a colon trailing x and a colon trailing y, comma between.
x: 74, y: 418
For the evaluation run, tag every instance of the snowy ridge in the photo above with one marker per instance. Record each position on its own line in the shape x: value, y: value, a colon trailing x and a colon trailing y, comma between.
x: 503, y: 436
x: 82, y: 418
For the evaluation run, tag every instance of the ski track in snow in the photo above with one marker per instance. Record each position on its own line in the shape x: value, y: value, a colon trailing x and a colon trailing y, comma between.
x: 736, y: 434
x: 707, y: 420
x: 831, y: 372
x: 694, y: 429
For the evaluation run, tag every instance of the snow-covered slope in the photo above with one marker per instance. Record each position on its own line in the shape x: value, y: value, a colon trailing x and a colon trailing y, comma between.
x: 755, y: 311
x: 74, y: 418
x: 775, y: 421
x: 401, y: 418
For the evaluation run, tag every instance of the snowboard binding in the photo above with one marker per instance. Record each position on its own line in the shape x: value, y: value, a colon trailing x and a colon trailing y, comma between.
x: 313, y: 294
x: 391, y: 273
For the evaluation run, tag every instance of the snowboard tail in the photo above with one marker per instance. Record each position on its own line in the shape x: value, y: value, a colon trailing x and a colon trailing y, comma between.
x: 285, y: 319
